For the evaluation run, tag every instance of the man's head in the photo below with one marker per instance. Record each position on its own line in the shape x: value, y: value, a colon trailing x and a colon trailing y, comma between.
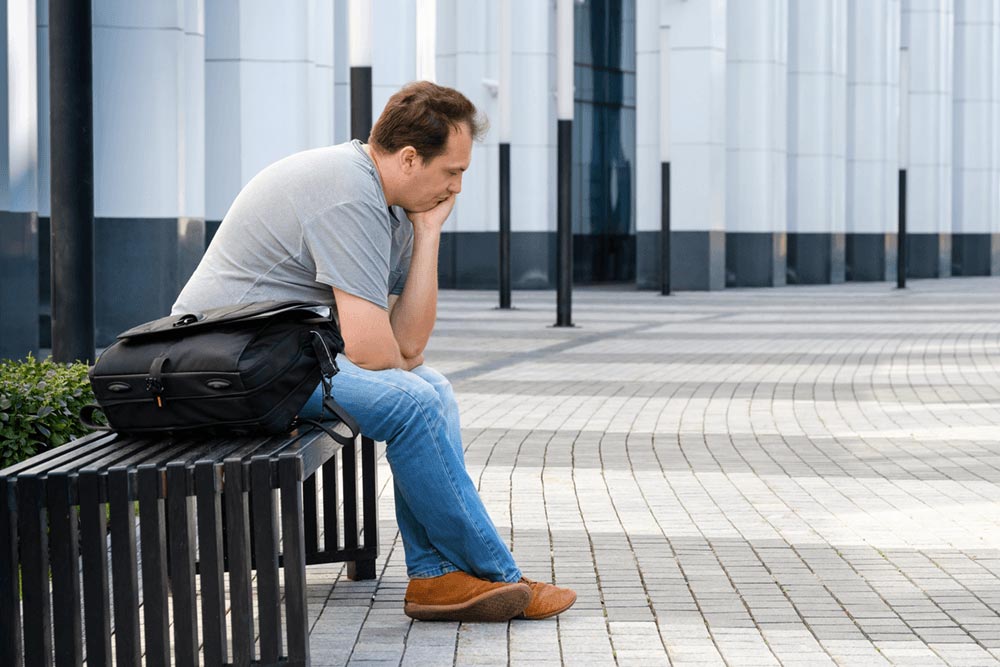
x: 423, y: 144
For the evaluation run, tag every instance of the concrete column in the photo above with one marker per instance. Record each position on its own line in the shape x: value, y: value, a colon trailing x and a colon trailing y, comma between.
x: 817, y: 123
x: 18, y: 180
x: 468, y: 60
x: 928, y: 31
x: 148, y: 164
x: 756, y: 137
x: 995, y: 161
x: 698, y: 154
x: 647, y: 139
x: 270, y: 74
x: 975, y: 246
x: 341, y: 74
x: 394, y: 49
x: 872, y: 120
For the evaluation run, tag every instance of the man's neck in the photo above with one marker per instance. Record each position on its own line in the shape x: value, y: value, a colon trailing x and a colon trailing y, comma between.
x: 374, y: 157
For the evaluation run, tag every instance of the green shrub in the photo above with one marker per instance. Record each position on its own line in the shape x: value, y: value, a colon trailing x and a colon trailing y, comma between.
x: 39, y: 404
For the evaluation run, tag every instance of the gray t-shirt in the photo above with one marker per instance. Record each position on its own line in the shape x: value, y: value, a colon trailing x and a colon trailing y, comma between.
x: 312, y: 221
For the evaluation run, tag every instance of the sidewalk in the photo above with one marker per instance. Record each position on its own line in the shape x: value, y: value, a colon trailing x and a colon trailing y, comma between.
x: 796, y: 476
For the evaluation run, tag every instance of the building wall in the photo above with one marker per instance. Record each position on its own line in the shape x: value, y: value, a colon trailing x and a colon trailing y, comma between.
x: 783, y: 137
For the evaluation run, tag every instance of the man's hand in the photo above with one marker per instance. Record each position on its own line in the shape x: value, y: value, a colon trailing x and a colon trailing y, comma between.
x: 433, y: 219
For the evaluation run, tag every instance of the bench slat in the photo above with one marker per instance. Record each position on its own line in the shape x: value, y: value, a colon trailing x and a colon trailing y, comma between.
x: 64, y: 550
x: 238, y: 548
x: 10, y: 594
x: 94, y: 549
x: 124, y: 569
x: 265, y: 523
x: 180, y: 554
x: 34, y: 557
x: 210, y: 562
x: 290, y: 471
x: 153, y: 525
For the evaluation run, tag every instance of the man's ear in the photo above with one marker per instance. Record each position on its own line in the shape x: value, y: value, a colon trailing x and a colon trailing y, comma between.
x: 408, y: 159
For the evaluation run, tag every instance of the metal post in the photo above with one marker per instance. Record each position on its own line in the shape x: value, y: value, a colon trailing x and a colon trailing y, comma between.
x: 564, y: 68
x: 506, y: 48
x: 901, y: 233
x: 360, y: 24
x: 664, y: 159
x: 665, y: 228
x: 72, y: 196
x: 505, y: 226
x: 904, y: 158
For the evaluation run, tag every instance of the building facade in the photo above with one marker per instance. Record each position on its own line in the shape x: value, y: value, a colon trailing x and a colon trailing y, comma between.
x: 783, y: 126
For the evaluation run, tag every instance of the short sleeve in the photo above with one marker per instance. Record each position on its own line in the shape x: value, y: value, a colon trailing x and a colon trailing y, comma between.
x: 402, y: 254
x: 350, y: 245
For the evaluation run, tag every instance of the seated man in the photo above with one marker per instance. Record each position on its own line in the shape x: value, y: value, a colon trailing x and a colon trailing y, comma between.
x: 358, y: 226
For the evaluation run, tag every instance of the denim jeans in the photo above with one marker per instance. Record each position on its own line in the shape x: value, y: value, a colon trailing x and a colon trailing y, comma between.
x: 442, y: 519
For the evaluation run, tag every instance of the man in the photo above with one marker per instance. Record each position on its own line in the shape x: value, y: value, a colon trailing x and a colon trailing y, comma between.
x: 358, y: 226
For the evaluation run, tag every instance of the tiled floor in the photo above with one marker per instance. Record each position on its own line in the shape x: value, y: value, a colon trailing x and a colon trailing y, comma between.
x: 799, y: 476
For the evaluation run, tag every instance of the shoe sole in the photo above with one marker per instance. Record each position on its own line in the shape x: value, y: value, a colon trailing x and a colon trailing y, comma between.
x: 498, y: 605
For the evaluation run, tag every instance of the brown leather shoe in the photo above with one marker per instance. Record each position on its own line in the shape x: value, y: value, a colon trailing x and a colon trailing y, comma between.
x: 458, y: 596
x: 546, y: 600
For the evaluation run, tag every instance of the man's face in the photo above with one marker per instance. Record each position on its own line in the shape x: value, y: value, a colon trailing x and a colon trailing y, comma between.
x: 430, y: 182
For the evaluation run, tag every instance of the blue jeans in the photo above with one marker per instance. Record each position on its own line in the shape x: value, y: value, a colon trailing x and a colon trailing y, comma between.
x: 442, y: 520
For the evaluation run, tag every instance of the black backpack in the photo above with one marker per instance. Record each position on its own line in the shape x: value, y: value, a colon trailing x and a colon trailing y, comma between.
x: 244, y: 368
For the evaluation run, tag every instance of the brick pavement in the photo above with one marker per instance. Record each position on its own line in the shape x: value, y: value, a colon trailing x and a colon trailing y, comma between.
x: 796, y: 476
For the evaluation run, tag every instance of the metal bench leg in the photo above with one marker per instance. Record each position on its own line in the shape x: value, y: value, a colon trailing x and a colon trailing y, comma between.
x: 294, y: 550
x: 181, y: 549
x: 365, y: 569
x: 265, y: 530
x: 152, y: 523
x: 64, y: 551
x: 10, y: 594
x: 33, y: 530
x: 125, y: 581
x: 213, y: 594
x: 94, y: 548
x: 238, y: 549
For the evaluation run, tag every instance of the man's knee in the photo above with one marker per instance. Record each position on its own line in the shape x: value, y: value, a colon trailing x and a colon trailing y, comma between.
x: 439, y: 382
x: 403, y: 402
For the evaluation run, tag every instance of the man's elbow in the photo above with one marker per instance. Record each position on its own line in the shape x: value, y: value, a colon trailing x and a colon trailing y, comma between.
x: 410, y: 350
x: 373, y: 360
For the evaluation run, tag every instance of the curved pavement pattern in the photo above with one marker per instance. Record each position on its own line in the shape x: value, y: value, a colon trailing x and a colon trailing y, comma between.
x: 796, y: 476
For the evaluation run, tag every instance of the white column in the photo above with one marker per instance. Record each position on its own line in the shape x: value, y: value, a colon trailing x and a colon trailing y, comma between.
x: 975, y: 125
x: 18, y: 180
x: 341, y: 74
x: 533, y: 140
x: 756, y: 139
x: 148, y: 73
x: 995, y: 112
x: 19, y: 115
x: 817, y: 76
x: 872, y: 151
x: 698, y: 154
x: 928, y: 31
x: 647, y: 118
x: 394, y: 49
x: 817, y: 123
x: 261, y: 61
x: 192, y: 83
x: 321, y: 23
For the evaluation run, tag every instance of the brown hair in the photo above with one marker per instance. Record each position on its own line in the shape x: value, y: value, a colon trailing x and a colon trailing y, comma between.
x: 422, y: 114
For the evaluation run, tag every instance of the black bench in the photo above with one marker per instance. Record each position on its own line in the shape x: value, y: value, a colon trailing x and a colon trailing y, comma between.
x: 205, y: 507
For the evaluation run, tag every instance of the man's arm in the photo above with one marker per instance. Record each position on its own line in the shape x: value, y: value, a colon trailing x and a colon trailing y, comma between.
x: 412, y: 316
x: 368, y: 336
